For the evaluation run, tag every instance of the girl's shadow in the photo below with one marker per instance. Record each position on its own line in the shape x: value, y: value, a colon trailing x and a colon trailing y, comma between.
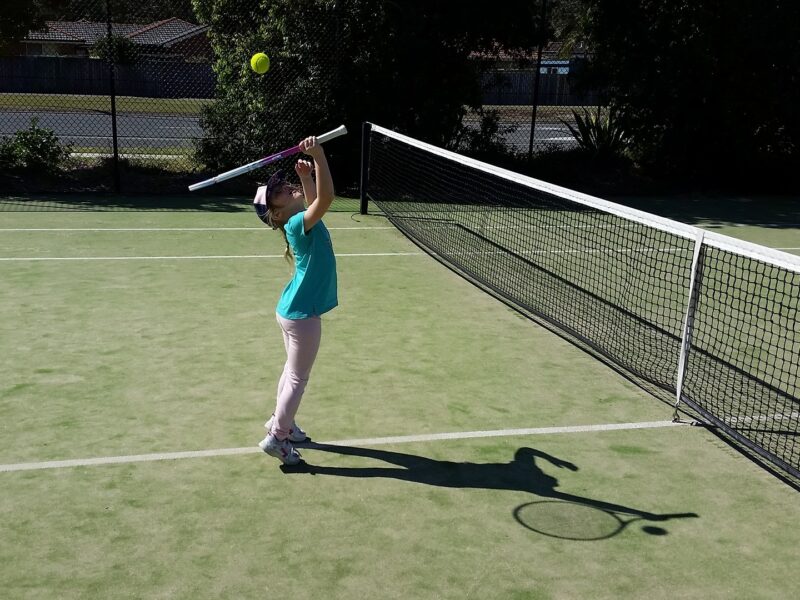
x: 520, y: 474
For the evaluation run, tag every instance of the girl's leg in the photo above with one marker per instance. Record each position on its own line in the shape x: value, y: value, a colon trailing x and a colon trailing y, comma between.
x: 286, y: 366
x: 282, y: 380
x: 302, y: 339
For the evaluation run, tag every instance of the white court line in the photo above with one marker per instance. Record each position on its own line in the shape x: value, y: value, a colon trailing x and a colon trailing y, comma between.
x: 792, y: 416
x: 39, y: 229
x: 772, y: 225
x: 240, y: 256
x: 210, y: 257
x: 165, y: 229
x: 110, y: 460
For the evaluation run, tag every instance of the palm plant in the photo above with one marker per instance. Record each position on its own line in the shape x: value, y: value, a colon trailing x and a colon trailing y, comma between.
x: 600, y: 133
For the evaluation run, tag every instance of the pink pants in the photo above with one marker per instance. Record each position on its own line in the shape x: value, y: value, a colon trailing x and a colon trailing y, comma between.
x: 301, y: 338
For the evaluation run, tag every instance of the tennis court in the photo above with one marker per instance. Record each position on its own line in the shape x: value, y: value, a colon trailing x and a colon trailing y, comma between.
x: 461, y: 451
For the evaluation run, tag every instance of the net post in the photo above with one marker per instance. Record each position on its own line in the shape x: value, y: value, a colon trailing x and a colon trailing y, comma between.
x: 366, y: 129
x: 688, y: 321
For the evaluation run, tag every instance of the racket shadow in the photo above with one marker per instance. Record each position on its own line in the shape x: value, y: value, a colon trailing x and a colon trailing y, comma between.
x: 522, y: 474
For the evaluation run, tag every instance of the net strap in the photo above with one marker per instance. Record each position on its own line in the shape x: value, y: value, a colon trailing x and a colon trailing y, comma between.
x: 688, y: 321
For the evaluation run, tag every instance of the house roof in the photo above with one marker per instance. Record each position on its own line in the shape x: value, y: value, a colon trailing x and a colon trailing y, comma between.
x: 87, y: 31
x: 53, y: 34
x: 166, y: 32
x: 159, y: 33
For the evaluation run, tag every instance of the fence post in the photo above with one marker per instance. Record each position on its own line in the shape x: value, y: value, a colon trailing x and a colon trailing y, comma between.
x: 536, y: 76
x: 111, y: 78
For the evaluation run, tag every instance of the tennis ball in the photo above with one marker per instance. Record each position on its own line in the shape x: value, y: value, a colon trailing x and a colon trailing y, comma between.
x: 259, y: 63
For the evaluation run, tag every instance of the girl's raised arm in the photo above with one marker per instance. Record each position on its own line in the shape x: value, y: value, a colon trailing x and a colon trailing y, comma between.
x: 324, y: 198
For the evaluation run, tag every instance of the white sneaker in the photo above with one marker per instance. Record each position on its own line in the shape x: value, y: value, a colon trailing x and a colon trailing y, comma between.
x: 296, y: 435
x: 280, y: 449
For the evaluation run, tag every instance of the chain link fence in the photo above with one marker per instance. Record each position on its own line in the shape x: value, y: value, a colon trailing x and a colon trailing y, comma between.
x: 535, y: 99
x: 121, y: 91
x: 129, y: 94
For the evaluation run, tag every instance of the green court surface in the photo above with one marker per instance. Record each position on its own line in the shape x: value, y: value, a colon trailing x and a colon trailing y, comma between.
x: 128, y: 334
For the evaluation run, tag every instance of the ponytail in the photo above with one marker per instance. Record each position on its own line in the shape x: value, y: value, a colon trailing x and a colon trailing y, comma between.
x: 287, y: 254
x: 264, y: 211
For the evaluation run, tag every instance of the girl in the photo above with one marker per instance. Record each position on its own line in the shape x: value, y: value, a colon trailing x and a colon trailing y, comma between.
x: 311, y: 292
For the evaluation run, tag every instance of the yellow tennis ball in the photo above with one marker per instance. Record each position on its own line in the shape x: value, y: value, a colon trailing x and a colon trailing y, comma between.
x: 259, y: 63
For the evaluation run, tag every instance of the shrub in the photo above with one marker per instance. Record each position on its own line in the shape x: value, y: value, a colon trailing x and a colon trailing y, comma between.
x: 485, y: 137
x: 117, y: 49
x: 600, y: 133
x: 8, y: 155
x: 35, y: 148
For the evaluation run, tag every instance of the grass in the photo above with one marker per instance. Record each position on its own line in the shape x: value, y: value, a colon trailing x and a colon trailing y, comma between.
x: 128, y: 104
x: 113, y: 357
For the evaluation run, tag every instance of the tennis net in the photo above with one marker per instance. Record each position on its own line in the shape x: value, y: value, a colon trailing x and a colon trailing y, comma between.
x: 711, y: 320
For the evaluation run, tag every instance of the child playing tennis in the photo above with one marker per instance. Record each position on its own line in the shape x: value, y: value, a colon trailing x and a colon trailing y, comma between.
x: 311, y: 292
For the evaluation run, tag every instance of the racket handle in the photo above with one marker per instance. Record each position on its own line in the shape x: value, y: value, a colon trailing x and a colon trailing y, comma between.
x: 201, y: 184
x: 334, y: 133
x: 223, y: 176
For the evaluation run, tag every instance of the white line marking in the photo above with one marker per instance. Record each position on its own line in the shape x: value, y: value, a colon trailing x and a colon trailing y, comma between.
x: 642, y: 250
x: 772, y: 225
x: 174, y: 229
x: 760, y: 418
x: 503, y: 433
x: 404, y: 439
x: 264, y: 229
x: 212, y: 257
x: 223, y: 256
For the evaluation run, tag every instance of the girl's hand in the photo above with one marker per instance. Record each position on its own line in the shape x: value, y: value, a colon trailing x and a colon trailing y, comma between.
x: 309, y: 146
x: 304, y: 168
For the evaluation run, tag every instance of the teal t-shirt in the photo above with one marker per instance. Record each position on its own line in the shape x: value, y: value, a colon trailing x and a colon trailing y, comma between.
x: 312, y: 290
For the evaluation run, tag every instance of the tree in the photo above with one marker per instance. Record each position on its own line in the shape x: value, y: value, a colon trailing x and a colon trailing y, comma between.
x: 117, y: 49
x: 407, y: 65
x: 570, y: 21
x: 122, y: 11
x: 17, y: 19
x: 705, y: 87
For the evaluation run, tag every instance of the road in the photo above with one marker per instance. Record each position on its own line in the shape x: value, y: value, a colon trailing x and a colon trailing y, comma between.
x: 93, y: 129
x: 550, y: 134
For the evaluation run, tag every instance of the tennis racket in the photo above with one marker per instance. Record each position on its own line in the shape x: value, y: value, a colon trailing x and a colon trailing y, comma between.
x: 261, y: 162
